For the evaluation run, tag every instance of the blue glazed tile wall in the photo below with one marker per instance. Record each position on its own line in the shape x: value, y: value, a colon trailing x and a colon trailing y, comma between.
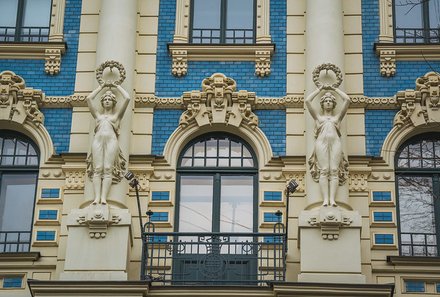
x: 241, y: 72
x: 58, y: 122
x: 272, y: 122
x: 377, y: 125
x: 376, y: 85
x: 32, y: 71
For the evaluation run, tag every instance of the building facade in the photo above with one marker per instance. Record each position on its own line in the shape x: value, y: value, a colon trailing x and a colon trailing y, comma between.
x: 219, y: 147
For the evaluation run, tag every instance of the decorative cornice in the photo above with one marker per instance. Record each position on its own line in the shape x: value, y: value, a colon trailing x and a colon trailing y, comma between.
x: 49, y: 51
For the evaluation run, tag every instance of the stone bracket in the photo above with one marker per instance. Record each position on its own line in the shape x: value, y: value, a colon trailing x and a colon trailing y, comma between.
x: 387, y: 63
x: 262, y: 63
x: 330, y: 220
x: 53, y: 61
x: 180, y: 62
x: 98, y: 218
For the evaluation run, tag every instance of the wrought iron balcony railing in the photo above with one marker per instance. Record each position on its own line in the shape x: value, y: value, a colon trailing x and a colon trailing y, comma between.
x: 418, y: 244
x: 24, y: 34
x: 417, y: 35
x: 177, y: 258
x: 15, y: 241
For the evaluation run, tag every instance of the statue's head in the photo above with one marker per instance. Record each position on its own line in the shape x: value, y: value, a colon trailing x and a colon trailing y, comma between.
x: 108, y: 99
x: 328, y: 101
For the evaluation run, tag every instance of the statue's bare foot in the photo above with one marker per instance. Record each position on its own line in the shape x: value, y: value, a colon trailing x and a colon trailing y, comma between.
x: 94, y: 202
x: 104, y: 202
x: 325, y: 204
x: 334, y: 204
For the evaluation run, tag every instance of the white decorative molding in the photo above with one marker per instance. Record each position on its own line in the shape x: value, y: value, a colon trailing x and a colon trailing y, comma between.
x: 53, y: 61
x: 386, y: 21
x: 219, y: 103
x: 358, y: 181
x: 180, y: 62
x: 263, y: 21
x: 182, y: 21
x: 388, y: 62
x: 374, y: 102
x: 57, y: 21
x: 98, y: 218
x: 258, y: 53
x: 330, y: 220
x: 75, y: 178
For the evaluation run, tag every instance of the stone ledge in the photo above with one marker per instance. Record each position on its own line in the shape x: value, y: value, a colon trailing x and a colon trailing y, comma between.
x: 413, y: 260
x: 19, y: 256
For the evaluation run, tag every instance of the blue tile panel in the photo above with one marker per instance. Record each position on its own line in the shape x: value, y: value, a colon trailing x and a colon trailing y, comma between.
x: 271, y: 217
x: 160, y: 196
x: 241, y: 72
x: 415, y: 286
x: 48, y: 214
x: 438, y: 287
x: 58, y: 122
x: 157, y: 238
x: 376, y: 85
x: 32, y: 71
x: 273, y: 239
x: 45, y: 235
x: 50, y: 193
x: 158, y: 216
x: 12, y: 282
x: 381, y: 196
x: 383, y: 216
x: 272, y: 196
x: 383, y: 238
x: 273, y: 124
x: 378, y: 123
x: 165, y: 121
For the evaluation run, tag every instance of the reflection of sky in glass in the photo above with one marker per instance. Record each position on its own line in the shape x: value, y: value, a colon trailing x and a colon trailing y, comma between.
x: 8, y: 13
x: 240, y: 14
x: 408, y: 16
x: 416, y: 204
x: 434, y: 13
x: 37, y: 13
x: 207, y: 14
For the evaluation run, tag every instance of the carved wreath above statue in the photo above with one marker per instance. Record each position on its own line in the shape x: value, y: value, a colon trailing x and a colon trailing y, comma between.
x: 219, y: 103
x: 18, y: 103
x: 422, y: 105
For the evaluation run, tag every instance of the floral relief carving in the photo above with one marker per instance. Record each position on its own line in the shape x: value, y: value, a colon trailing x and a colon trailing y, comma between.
x: 219, y: 102
x: 330, y: 221
x: 18, y: 103
x: 420, y: 106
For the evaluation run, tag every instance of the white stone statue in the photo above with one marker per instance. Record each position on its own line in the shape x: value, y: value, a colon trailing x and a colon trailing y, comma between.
x: 328, y: 165
x: 105, y: 164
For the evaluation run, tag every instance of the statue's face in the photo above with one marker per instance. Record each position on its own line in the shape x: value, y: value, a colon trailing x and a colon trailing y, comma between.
x: 328, y: 104
x: 107, y: 100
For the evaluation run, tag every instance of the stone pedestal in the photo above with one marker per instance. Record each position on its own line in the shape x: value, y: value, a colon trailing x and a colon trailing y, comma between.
x: 98, y: 244
x: 330, y: 246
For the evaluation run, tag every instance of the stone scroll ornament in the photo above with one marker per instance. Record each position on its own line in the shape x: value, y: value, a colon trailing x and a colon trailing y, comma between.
x: 105, y: 163
x: 328, y: 164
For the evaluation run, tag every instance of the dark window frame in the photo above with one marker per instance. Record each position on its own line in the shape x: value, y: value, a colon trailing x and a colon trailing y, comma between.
x: 223, y: 26
x: 413, y: 34
x: 434, y: 174
x: 217, y: 173
x: 30, y: 36
x: 20, y: 246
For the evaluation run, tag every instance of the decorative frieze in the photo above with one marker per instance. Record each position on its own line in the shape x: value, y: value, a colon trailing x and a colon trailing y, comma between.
x: 52, y: 61
x: 388, y: 62
x: 298, y: 177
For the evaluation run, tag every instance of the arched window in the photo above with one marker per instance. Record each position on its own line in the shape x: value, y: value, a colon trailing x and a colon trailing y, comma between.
x: 418, y: 186
x: 217, y: 178
x: 19, y: 158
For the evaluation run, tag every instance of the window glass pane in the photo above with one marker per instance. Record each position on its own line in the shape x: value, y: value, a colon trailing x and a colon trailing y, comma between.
x: 236, y: 210
x: 235, y: 149
x: 223, y: 148
x: 434, y: 13
x: 36, y: 13
x: 8, y: 13
x: 195, y: 210
x: 416, y: 204
x: 407, y: 15
x: 21, y: 148
x: 211, y: 148
x: 240, y: 15
x: 199, y: 149
x: 207, y: 14
x: 8, y: 147
x: 17, y: 201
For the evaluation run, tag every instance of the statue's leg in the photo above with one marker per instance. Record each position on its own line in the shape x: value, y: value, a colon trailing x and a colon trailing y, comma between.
x: 323, y: 185
x: 333, y: 184
x: 111, y: 151
x: 335, y: 160
x: 97, y: 158
x: 322, y: 158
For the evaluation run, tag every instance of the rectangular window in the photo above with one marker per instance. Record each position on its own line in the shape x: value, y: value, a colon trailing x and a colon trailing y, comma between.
x: 415, y: 286
x: 384, y: 239
x: 25, y: 20
x: 50, y: 193
x: 438, y: 288
x: 273, y: 196
x: 46, y: 235
x: 160, y: 196
x: 273, y: 239
x: 383, y: 216
x: 157, y: 238
x: 48, y: 214
x: 159, y: 217
x: 10, y: 282
x: 382, y: 196
x: 270, y: 217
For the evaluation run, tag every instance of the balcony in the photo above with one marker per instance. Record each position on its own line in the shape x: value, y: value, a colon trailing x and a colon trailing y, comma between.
x: 177, y: 258
x: 417, y: 35
x: 24, y: 34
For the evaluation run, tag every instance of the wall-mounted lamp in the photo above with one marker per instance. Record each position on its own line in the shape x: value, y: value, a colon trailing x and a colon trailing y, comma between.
x: 134, y: 183
x: 291, y: 187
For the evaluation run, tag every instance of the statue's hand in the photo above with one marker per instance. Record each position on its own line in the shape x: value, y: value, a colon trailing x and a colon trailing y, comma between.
x: 328, y: 87
x: 109, y: 84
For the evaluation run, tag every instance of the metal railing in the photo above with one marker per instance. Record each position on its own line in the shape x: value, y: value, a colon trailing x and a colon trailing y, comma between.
x: 216, y: 36
x: 418, y: 244
x: 24, y: 34
x: 417, y: 35
x: 183, y: 258
x: 15, y: 241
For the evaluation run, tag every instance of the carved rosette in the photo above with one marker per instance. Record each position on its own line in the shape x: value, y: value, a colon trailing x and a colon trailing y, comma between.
x: 18, y: 103
x: 219, y: 103
x: 52, y: 61
x: 388, y: 63
x: 420, y: 106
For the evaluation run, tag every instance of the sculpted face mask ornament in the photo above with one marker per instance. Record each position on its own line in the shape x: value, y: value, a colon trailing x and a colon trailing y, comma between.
x: 105, y: 163
x: 328, y: 165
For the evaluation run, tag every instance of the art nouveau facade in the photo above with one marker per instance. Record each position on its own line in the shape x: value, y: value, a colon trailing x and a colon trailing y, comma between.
x: 242, y: 182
